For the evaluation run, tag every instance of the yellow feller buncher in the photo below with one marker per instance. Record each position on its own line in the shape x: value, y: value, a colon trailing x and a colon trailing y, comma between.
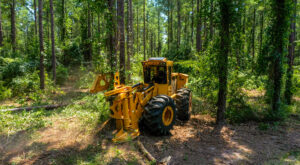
x: 155, y: 103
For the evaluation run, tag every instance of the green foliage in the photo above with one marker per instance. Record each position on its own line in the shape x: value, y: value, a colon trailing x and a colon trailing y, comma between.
x: 91, y: 109
x: 11, y: 122
x: 86, y: 80
x: 71, y: 54
x: 25, y: 84
x: 4, y: 92
x: 12, y: 70
x: 238, y: 110
x: 183, y: 53
x: 61, y: 74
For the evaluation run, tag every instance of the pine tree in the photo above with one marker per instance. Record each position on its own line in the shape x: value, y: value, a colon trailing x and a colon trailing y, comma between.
x: 225, y: 14
x: 42, y: 70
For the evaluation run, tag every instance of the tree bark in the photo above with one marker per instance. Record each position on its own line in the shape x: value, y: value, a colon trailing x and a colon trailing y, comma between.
x: 211, y: 28
x: 278, y: 28
x: 288, y: 94
x: 137, y: 30
x: 42, y: 70
x: 199, y: 24
x: 225, y: 6
x: 253, y: 34
x: 192, y: 23
x: 63, y: 28
x: 130, y: 36
x: 1, y: 32
x: 53, y: 43
x: 34, y: 12
x: 13, y: 25
x: 158, y: 32
x: 179, y: 23
x: 111, y: 27
x: 261, y: 31
x: 121, y: 40
x: 171, y: 22
x: 89, y: 43
x: 144, y: 33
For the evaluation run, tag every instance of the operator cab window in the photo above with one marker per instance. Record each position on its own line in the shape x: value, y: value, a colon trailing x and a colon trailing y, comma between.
x: 155, y: 74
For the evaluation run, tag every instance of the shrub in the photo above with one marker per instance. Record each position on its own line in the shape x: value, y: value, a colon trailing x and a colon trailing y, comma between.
x: 4, y: 91
x: 12, y: 70
x: 61, y: 74
x: 238, y: 110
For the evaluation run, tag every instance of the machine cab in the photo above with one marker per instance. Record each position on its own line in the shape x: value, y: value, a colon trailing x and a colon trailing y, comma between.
x: 158, y: 70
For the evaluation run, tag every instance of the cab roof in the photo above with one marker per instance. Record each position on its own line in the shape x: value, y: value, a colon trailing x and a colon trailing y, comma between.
x: 164, y: 59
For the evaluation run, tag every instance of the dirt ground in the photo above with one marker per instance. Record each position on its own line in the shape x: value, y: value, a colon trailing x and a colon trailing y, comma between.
x: 197, y: 141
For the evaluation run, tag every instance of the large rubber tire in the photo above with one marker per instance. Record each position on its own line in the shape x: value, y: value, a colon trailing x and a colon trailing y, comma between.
x: 154, y: 113
x: 183, y: 101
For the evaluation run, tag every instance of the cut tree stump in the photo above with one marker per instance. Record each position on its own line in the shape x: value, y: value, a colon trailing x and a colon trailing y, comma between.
x: 47, y: 107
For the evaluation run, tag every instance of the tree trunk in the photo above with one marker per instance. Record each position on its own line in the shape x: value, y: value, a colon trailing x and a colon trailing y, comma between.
x: 42, y: 70
x: 1, y: 33
x: 89, y: 44
x: 158, y: 32
x: 63, y: 29
x: 13, y: 26
x: 171, y: 23
x: 121, y: 40
x: 192, y: 23
x: 278, y: 28
x: 179, y: 23
x: 199, y: 24
x: 211, y: 28
x: 253, y: 34
x: 144, y: 33
x: 130, y: 37
x: 225, y: 6
x: 261, y: 31
x: 34, y: 12
x: 137, y: 30
x: 111, y: 27
x: 289, y: 85
x: 53, y: 43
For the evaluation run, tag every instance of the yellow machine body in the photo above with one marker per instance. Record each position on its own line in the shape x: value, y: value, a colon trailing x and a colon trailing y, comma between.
x: 127, y: 102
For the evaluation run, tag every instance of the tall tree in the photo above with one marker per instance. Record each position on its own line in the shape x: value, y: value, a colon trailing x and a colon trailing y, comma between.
x: 171, y: 23
x: 13, y: 25
x: 199, y: 26
x: 121, y: 40
x: 34, y: 13
x: 211, y: 15
x: 144, y: 32
x: 192, y: 23
x: 253, y: 33
x: 273, y: 54
x: 53, y: 43
x: 42, y: 70
x: 62, y: 22
x: 178, y: 23
x: 89, y: 35
x: 129, y: 36
x: 137, y: 30
x: 1, y: 33
x: 111, y: 27
x: 289, y: 85
x: 225, y: 14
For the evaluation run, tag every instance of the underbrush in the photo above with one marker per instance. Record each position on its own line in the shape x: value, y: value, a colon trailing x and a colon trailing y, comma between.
x: 12, y: 122
x: 90, y: 110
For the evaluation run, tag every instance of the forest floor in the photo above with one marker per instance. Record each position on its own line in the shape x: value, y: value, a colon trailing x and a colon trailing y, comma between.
x: 199, y: 141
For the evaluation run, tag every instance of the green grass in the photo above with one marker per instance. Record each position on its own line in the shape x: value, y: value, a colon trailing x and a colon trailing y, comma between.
x: 90, y: 109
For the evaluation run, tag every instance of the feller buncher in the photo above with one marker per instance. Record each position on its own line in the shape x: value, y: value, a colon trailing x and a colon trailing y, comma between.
x: 155, y: 103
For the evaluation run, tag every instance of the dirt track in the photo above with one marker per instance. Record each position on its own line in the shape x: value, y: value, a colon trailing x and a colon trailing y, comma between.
x: 194, y: 142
